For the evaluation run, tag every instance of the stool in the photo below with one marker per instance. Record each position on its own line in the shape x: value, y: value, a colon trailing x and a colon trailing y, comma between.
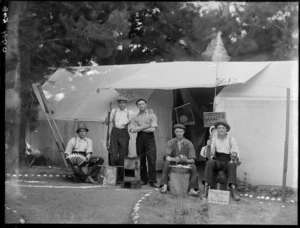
x: 221, y: 177
x: 179, y: 180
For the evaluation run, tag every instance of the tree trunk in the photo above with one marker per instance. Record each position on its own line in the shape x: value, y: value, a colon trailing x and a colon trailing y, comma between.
x: 12, y: 92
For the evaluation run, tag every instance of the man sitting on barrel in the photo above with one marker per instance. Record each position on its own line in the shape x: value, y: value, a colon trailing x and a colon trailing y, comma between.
x: 78, y: 154
x: 223, y: 154
x: 181, y: 151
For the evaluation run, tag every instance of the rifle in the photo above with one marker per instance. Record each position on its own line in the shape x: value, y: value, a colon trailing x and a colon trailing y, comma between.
x: 107, y: 137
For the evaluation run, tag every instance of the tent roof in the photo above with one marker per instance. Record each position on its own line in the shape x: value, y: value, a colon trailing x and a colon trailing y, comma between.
x: 73, y: 91
x: 175, y: 75
x: 269, y: 83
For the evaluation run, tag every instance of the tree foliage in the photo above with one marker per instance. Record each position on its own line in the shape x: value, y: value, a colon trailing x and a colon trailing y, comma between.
x: 57, y: 34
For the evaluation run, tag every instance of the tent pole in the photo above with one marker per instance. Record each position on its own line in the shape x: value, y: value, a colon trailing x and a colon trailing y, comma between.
x: 214, y: 105
x: 286, y: 144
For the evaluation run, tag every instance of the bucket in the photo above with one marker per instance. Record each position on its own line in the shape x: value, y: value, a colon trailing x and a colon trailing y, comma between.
x: 179, y: 181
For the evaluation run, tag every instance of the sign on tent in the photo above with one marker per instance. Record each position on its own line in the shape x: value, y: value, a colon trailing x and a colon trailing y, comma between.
x: 210, y: 118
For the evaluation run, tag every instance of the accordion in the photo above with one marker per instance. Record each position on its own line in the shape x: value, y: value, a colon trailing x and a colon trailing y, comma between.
x: 77, y: 159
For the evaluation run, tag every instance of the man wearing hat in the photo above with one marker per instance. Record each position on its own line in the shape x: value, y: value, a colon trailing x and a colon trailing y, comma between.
x: 145, y: 124
x: 224, y: 152
x: 180, y: 150
x: 84, y: 146
x: 119, y: 136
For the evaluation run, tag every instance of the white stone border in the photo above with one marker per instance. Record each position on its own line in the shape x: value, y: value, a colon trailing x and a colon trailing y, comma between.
x: 40, y: 175
x: 266, y: 198
x: 135, y: 214
x: 21, y: 220
x: 52, y: 186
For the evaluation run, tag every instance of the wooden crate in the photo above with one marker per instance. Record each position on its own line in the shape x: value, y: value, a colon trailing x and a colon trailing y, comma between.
x: 132, y: 169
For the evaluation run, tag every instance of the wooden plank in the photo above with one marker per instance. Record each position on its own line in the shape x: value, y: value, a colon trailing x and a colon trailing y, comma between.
x: 39, y: 93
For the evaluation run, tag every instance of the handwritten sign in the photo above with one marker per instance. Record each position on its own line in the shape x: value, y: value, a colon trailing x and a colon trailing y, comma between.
x: 210, y: 118
x: 218, y: 196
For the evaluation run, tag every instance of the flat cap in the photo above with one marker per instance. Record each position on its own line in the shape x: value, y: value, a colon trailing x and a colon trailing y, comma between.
x: 181, y: 126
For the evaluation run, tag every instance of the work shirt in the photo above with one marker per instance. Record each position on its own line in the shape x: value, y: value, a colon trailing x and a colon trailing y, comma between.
x: 80, y: 145
x: 227, y: 146
x: 121, y: 119
x: 147, y: 117
x: 176, y: 148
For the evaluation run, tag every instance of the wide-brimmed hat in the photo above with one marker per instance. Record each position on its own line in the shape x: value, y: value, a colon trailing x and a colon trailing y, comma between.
x: 122, y: 98
x: 181, y: 126
x: 222, y: 122
x: 81, y: 126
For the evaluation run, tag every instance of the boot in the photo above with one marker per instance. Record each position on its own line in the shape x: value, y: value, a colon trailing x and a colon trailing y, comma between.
x: 205, y: 192
x: 234, y: 194
x: 89, y: 179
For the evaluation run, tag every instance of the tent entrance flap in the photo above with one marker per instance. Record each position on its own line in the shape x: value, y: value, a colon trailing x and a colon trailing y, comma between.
x: 201, y: 100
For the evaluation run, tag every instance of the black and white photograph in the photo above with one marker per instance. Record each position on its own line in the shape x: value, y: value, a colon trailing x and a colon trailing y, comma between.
x: 141, y: 112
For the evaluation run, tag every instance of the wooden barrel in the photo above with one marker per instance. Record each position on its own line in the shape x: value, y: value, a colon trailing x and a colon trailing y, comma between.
x: 179, y: 180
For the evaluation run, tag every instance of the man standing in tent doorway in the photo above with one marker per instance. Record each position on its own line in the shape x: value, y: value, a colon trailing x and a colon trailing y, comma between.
x: 83, y: 146
x: 119, y: 136
x: 224, y: 155
x: 145, y: 124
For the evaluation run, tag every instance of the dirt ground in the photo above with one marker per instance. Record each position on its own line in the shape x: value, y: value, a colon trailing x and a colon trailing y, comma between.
x: 169, y: 209
x: 53, y: 199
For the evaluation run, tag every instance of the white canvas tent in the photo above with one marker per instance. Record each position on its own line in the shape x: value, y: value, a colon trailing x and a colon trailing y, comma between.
x: 83, y: 94
x: 256, y: 112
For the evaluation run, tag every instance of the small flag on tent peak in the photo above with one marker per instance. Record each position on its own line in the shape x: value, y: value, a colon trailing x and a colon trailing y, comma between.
x: 215, y: 50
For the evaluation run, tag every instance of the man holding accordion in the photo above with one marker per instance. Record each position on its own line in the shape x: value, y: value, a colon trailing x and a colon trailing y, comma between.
x: 78, y: 154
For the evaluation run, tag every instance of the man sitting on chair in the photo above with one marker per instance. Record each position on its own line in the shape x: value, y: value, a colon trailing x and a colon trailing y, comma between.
x: 180, y: 150
x: 84, y: 146
x: 224, y: 155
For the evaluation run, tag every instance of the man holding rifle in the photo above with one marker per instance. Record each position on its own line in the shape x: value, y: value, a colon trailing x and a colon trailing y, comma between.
x: 119, y: 136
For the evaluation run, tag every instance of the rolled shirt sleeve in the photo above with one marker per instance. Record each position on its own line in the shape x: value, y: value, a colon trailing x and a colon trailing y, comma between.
x: 191, y: 151
x: 89, y: 146
x: 70, y: 146
x: 154, y: 120
x: 168, y: 150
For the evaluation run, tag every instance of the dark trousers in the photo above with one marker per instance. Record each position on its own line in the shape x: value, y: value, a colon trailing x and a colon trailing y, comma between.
x: 146, y: 148
x: 193, y: 175
x: 221, y: 162
x: 119, y: 142
x: 93, y: 168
